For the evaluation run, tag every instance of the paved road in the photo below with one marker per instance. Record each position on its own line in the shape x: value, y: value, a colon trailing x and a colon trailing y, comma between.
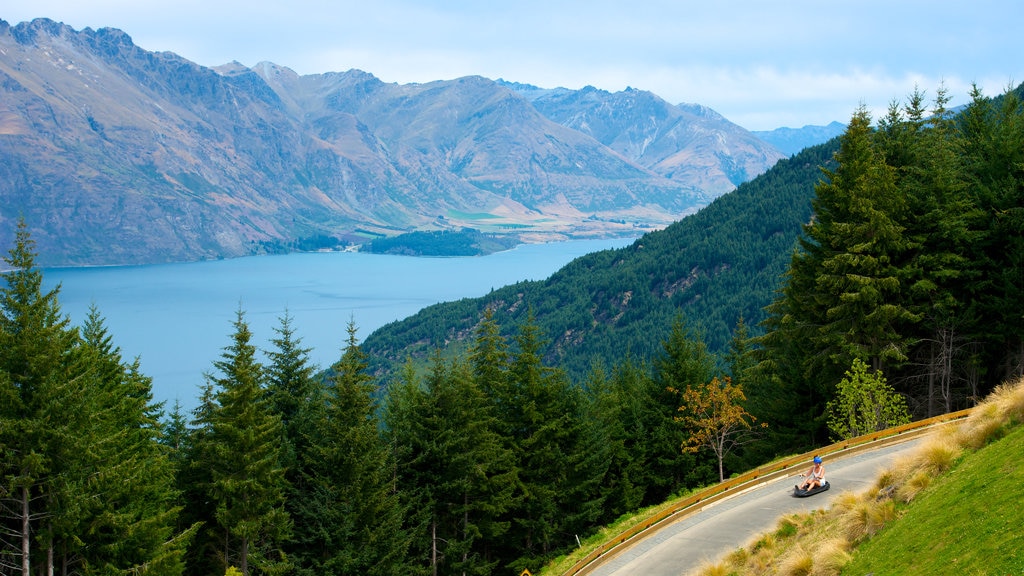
x: 683, y: 546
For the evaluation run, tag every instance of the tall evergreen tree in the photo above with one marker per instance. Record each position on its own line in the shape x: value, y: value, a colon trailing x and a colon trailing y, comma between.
x: 617, y: 404
x: 845, y: 294
x: 194, y: 479
x: 291, y: 382
x: 243, y: 444
x: 349, y: 519
x: 683, y: 361
x: 86, y: 486
x: 993, y: 139
x: 295, y: 395
x: 859, y: 241
x: 489, y: 358
x: 134, y: 526
x: 937, y: 228
x: 40, y: 431
x: 455, y: 468
x: 544, y: 427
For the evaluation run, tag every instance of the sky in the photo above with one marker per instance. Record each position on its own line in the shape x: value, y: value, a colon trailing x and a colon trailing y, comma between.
x: 762, y: 65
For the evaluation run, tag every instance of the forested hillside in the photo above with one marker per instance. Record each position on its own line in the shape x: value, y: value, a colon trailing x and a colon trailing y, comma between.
x: 913, y: 264
x: 556, y: 406
x: 714, y: 267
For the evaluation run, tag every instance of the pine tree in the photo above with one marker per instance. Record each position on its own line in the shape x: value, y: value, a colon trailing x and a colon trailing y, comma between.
x: 684, y: 361
x: 740, y: 356
x: 243, y: 448
x: 545, y: 429
x: 86, y: 486
x: 349, y: 519
x: 859, y: 238
x: 489, y: 358
x: 295, y: 394
x: 291, y: 384
x: 133, y: 529
x: 845, y: 294
x: 616, y: 405
x: 937, y: 227
x: 36, y: 354
x: 993, y: 140
x: 194, y: 477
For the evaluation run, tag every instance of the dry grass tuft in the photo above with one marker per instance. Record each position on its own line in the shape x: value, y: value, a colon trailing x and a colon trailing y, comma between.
x: 983, y: 426
x: 1009, y: 398
x: 719, y: 569
x: 879, y: 515
x: 846, y: 501
x: 865, y: 518
x: 787, y: 527
x: 913, y: 486
x: 765, y: 542
x: 981, y: 433
x: 939, y: 454
x: 901, y: 469
x: 759, y: 563
x: 855, y: 521
x: 799, y: 562
x: 832, y: 556
x: 885, y: 481
x: 738, y: 557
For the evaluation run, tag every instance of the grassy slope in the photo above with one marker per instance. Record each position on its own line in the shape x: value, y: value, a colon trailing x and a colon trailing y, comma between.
x: 938, y: 511
x: 951, y: 507
x: 968, y: 521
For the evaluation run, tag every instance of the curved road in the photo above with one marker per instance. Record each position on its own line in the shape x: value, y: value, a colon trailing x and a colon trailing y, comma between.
x: 719, y: 528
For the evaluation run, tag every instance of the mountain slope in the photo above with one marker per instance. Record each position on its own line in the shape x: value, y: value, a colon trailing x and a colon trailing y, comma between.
x: 117, y: 155
x: 714, y: 266
x: 688, y: 143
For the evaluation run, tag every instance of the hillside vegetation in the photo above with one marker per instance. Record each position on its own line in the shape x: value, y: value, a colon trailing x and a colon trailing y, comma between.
x: 716, y: 266
x: 899, y: 244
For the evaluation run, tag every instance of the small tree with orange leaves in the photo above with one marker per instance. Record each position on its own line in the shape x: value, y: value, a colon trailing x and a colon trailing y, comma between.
x: 718, y: 421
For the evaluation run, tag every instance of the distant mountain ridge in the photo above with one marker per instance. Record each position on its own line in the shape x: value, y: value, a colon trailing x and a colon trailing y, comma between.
x: 793, y: 140
x: 117, y: 155
x: 688, y: 142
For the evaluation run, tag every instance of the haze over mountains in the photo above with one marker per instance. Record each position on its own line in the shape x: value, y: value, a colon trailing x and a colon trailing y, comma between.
x: 117, y: 155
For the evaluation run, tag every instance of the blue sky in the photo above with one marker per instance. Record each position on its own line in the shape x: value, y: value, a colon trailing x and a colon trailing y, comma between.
x: 761, y: 64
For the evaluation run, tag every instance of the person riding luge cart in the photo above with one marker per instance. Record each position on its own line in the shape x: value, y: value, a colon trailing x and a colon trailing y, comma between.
x: 814, y: 480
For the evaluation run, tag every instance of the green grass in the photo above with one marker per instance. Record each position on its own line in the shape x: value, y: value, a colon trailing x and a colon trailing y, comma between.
x: 968, y: 521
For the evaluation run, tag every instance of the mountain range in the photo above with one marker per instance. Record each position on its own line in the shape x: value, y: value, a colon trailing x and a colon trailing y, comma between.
x: 793, y: 140
x: 118, y: 155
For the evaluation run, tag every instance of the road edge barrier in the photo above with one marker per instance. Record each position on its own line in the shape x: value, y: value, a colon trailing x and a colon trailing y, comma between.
x: 761, y: 474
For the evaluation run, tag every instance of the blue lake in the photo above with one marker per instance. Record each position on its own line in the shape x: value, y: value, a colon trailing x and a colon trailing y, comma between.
x: 177, y: 318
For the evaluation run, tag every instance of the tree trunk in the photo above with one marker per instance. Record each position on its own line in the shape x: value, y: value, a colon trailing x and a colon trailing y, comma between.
x: 465, y: 529
x: 245, y: 556
x: 433, y: 547
x: 931, y: 385
x: 26, y: 539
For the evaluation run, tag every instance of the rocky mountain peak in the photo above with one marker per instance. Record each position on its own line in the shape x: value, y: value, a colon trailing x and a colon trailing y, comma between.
x: 116, y: 155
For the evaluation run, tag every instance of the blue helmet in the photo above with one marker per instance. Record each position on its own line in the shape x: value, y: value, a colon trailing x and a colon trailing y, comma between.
x: 817, y: 459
